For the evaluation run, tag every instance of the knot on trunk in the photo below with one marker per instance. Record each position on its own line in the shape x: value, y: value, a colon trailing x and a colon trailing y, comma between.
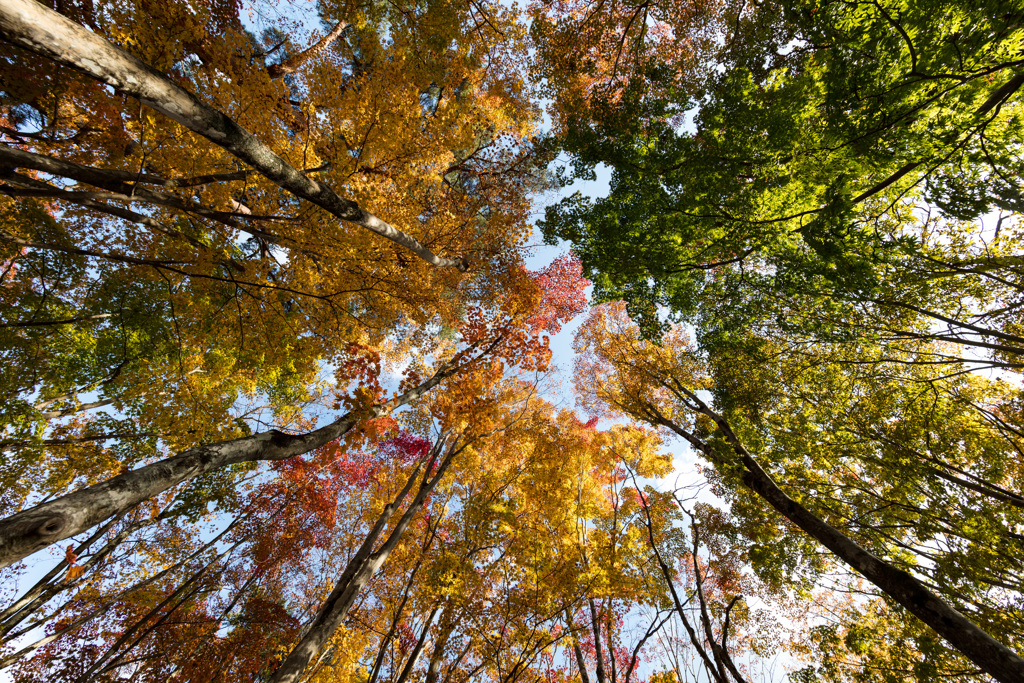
x: 51, y: 526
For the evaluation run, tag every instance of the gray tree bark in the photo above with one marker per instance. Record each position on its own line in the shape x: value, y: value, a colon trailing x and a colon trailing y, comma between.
x: 32, y: 26
x: 32, y: 530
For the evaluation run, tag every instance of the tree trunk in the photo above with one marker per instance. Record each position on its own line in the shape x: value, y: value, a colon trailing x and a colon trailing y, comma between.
x: 595, y: 624
x: 43, y: 525
x: 418, y: 649
x: 385, y: 641
x: 360, y: 569
x: 581, y: 662
x: 678, y: 605
x: 40, y: 30
x: 986, y: 652
x: 444, y: 632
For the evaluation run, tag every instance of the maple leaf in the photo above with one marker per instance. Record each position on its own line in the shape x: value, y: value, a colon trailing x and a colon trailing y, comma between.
x: 562, y: 293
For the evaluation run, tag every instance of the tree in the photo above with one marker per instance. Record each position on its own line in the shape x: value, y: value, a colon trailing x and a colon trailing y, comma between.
x: 300, y: 502
x: 232, y: 291
x: 229, y: 250
x: 273, y: 356
x: 816, y: 226
x: 181, y: 314
x: 798, y: 148
x: 717, y: 581
x: 659, y: 385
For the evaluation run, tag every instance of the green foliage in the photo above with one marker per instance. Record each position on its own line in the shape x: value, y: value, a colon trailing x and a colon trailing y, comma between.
x: 790, y: 164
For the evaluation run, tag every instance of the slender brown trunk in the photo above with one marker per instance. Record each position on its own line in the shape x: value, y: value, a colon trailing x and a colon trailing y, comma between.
x: 677, y: 604
x: 595, y: 624
x: 444, y: 632
x: 986, y: 652
x: 66, y: 628
x: 418, y: 650
x: 581, y: 662
x: 119, y: 187
x: 361, y: 568
x: 176, y: 598
x: 378, y: 661
x: 720, y: 652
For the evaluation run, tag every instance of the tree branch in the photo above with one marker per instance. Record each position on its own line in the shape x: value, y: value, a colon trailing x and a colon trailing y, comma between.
x: 38, y: 29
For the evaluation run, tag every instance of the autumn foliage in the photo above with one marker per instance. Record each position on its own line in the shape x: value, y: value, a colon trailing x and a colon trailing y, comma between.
x: 281, y: 399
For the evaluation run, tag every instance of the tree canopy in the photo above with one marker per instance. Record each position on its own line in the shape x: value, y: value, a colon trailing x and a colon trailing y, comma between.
x: 277, y: 361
